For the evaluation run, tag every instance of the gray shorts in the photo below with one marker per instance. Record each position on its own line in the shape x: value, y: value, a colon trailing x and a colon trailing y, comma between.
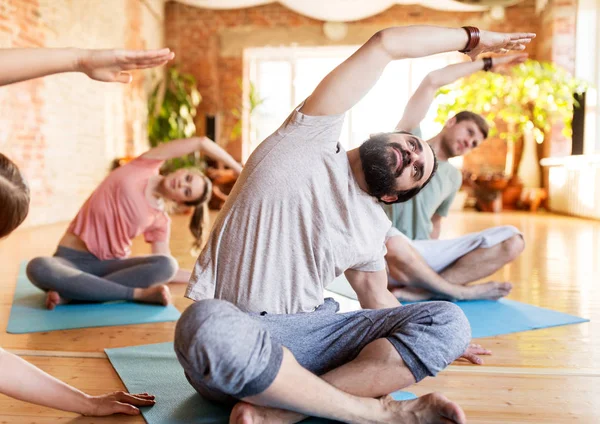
x: 228, y: 354
x: 440, y: 254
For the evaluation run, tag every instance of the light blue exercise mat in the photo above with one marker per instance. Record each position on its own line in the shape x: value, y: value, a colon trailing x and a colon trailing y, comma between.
x: 154, y: 369
x: 492, y: 317
x: 29, y: 314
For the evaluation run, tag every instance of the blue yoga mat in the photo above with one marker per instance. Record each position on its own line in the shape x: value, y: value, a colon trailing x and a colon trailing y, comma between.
x: 492, y: 317
x: 154, y: 369
x: 29, y: 314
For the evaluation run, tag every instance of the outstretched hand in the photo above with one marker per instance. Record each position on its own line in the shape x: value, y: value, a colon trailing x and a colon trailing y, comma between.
x: 472, y: 354
x: 503, y: 64
x: 498, y: 42
x: 112, y: 65
x: 118, y: 403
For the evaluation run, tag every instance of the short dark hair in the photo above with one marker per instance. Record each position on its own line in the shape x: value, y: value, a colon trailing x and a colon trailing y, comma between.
x: 479, y: 120
x: 14, y: 196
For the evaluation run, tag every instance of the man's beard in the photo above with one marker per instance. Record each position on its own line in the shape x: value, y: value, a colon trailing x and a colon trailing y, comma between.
x: 378, y: 163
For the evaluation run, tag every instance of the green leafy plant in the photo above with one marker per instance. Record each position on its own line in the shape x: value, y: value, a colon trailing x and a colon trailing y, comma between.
x: 254, y: 101
x: 531, y: 97
x: 171, y: 111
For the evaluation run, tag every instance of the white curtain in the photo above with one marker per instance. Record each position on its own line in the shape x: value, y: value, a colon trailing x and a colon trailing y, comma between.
x: 337, y: 10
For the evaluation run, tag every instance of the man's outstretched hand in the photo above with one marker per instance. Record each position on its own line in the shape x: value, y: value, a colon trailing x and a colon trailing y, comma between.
x: 498, y: 42
x: 472, y: 354
x: 503, y: 64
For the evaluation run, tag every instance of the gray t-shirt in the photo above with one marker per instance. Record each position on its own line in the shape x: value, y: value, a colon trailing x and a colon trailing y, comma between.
x: 413, y: 218
x: 295, y: 220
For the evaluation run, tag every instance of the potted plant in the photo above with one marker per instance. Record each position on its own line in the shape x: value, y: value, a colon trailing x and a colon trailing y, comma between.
x: 171, y: 111
x: 223, y: 180
x: 253, y: 101
x: 526, y: 100
x: 521, y: 105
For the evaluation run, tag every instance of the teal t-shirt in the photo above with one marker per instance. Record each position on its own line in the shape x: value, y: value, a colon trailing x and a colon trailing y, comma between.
x: 413, y: 218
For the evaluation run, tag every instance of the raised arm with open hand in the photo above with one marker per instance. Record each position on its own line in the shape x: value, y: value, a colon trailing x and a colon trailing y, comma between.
x: 419, y: 103
x: 100, y: 65
x: 343, y: 87
x: 184, y: 146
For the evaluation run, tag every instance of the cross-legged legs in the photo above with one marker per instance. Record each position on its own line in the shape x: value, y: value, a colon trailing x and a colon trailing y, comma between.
x: 443, y: 268
x: 229, y: 355
x: 80, y: 276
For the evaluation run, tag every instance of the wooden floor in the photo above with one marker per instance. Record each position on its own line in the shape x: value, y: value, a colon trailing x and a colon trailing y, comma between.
x: 550, y: 376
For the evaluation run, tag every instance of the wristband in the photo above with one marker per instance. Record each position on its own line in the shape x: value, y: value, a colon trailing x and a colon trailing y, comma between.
x: 487, y: 63
x: 474, y: 36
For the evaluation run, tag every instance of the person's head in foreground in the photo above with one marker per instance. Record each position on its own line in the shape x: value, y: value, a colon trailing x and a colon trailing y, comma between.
x: 396, y: 165
x: 462, y: 133
x: 189, y: 187
x: 14, y: 196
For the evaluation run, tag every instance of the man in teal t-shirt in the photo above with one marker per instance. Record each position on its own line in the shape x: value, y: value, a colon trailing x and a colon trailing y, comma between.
x: 420, y: 265
x: 414, y: 217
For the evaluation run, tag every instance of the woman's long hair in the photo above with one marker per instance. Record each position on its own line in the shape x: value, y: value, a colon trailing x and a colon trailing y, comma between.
x: 200, y: 214
x: 14, y: 196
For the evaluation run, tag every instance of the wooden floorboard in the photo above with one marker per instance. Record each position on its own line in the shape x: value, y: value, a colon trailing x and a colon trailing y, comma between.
x: 527, y: 398
x: 550, y: 375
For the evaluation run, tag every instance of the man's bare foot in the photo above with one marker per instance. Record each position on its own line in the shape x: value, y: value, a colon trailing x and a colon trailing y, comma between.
x: 246, y: 413
x: 53, y: 299
x: 428, y: 409
x: 492, y: 290
x: 159, y: 294
x: 431, y: 408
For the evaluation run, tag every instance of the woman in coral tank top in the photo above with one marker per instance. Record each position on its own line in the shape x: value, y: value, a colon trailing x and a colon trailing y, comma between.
x: 92, y: 262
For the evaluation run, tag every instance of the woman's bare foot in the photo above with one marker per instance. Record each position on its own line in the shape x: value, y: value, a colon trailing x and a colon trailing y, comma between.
x: 53, y: 299
x: 246, y: 413
x: 428, y: 409
x: 433, y: 408
x: 155, y: 294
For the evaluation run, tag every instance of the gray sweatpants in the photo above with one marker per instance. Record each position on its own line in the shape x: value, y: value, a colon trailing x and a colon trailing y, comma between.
x: 81, y: 276
x: 228, y: 354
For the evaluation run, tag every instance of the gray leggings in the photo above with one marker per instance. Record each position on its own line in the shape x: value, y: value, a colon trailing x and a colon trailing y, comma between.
x: 81, y: 276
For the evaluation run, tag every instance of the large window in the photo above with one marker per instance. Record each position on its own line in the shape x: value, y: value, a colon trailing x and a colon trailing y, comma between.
x: 587, y: 67
x: 285, y: 76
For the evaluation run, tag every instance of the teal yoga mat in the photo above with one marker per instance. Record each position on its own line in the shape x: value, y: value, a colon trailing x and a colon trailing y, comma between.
x: 492, y: 317
x: 29, y: 314
x: 154, y: 369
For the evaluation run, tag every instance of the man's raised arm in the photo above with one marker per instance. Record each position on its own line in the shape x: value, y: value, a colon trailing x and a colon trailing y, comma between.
x: 348, y: 83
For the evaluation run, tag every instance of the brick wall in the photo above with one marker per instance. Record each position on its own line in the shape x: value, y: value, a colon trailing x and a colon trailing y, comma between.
x: 64, y: 130
x: 210, y: 43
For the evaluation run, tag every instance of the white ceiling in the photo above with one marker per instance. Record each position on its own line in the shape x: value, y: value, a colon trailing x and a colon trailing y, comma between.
x: 337, y: 10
